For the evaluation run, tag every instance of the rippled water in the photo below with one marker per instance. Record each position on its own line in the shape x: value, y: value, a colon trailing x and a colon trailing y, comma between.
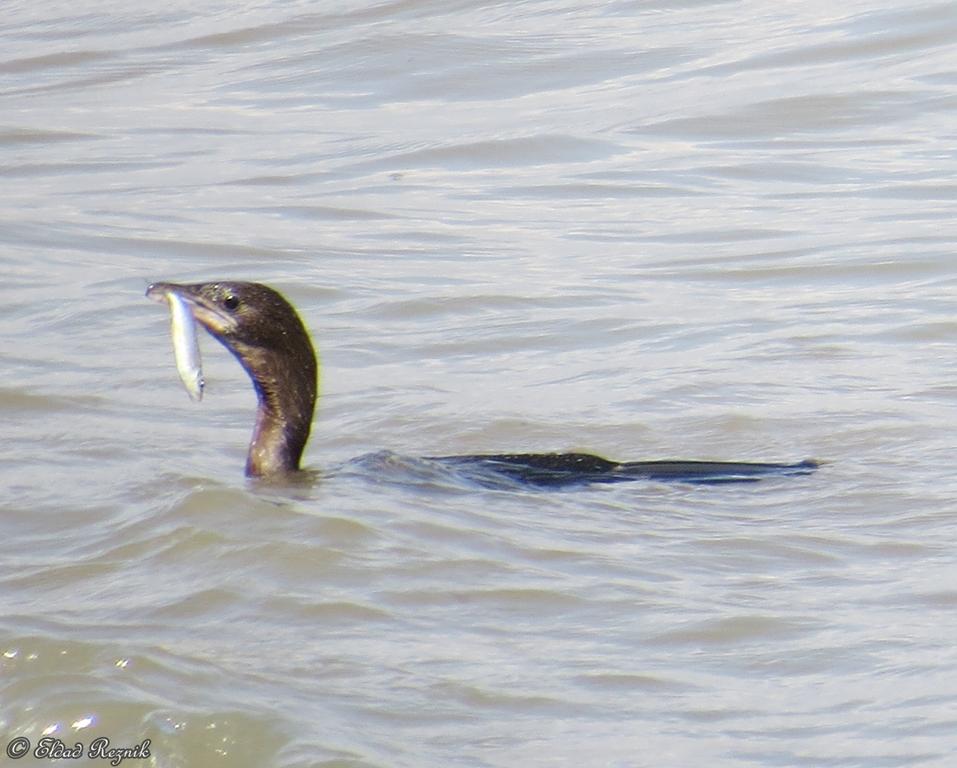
x: 660, y: 229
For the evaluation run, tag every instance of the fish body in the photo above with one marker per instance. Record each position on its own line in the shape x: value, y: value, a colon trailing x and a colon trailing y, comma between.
x: 189, y: 365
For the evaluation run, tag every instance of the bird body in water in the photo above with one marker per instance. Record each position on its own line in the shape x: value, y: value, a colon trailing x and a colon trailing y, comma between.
x: 267, y: 337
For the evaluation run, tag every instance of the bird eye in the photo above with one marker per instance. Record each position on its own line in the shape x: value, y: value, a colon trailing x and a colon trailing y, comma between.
x: 230, y: 302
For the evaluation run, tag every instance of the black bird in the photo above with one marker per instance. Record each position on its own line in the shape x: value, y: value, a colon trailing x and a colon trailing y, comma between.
x: 265, y: 334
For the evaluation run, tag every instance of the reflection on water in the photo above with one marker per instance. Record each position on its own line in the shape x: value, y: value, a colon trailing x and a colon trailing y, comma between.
x: 666, y: 230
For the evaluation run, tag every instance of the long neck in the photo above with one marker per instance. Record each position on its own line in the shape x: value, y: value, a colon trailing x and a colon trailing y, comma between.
x: 286, y: 387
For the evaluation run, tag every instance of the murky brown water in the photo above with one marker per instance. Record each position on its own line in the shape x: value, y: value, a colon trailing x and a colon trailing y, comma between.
x: 648, y: 230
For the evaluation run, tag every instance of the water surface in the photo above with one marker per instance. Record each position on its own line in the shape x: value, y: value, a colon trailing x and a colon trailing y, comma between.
x: 717, y: 230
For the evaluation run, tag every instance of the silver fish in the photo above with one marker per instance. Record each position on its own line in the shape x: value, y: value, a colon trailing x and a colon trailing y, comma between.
x: 189, y: 365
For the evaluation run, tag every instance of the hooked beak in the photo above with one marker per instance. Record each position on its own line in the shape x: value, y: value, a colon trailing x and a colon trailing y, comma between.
x: 206, y: 312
